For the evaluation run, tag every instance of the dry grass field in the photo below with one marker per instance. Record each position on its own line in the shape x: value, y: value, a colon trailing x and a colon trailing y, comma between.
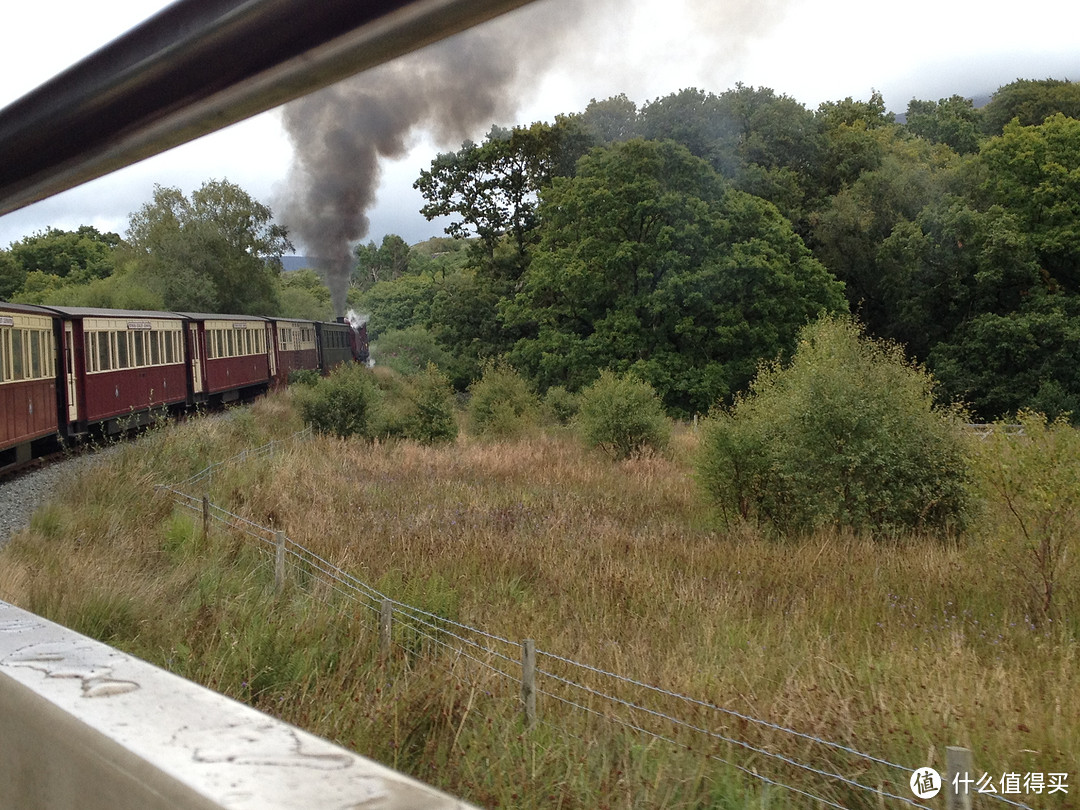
x: 893, y: 649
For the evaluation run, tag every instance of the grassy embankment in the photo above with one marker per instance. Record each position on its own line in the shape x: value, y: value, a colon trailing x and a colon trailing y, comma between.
x: 892, y: 649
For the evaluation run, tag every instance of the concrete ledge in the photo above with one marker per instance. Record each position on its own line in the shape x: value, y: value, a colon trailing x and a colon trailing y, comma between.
x: 85, y: 726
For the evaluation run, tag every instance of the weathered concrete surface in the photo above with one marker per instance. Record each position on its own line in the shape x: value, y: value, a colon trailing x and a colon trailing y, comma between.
x: 85, y: 726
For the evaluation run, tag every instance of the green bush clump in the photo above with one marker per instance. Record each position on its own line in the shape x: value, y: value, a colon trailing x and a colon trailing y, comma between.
x: 419, y: 407
x: 560, y: 405
x: 341, y: 403
x: 502, y: 404
x: 1028, y: 478
x: 304, y: 376
x: 622, y: 415
x: 846, y: 435
x: 381, y: 404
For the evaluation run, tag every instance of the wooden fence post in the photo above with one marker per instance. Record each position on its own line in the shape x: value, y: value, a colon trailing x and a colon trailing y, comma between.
x: 205, y: 517
x: 279, y: 561
x: 386, y: 627
x: 960, y: 766
x: 528, y: 680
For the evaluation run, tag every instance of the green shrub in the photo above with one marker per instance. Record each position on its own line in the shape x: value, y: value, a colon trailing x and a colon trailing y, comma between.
x: 846, y: 435
x: 410, y: 351
x: 622, y: 415
x: 339, y: 404
x: 435, y: 419
x: 304, y: 376
x: 1028, y: 475
x: 560, y: 405
x: 419, y: 407
x: 501, y: 402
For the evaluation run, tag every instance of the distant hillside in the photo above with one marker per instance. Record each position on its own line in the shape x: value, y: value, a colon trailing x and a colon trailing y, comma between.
x: 291, y: 263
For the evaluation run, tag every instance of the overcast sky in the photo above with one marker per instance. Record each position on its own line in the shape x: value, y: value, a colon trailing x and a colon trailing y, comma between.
x: 811, y: 50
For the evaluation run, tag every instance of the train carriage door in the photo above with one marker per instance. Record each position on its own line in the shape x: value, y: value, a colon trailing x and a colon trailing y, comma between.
x: 69, y: 370
x: 271, y: 349
x: 196, y: 360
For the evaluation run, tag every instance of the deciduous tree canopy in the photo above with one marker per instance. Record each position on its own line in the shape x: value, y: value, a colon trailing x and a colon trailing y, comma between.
x: 218, y: 251
x: 649, y: 262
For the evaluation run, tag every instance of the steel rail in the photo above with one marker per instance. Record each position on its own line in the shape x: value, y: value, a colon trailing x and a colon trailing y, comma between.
x: 198, y: 66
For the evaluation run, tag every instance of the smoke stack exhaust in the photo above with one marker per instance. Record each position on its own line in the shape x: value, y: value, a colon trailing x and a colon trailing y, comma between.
x: 450, y: 89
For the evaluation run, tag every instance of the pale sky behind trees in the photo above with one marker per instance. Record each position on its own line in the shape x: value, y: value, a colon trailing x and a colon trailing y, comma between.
x: 811, y: 50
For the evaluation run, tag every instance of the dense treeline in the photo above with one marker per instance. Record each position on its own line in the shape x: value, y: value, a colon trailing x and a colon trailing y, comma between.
x: 689, y: 239
x: 683, y: 241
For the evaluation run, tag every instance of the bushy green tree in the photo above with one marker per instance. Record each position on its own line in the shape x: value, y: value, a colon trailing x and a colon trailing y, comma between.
x: 388, y: 261
x: 846, y: 435
x: 649, y: 262
x: 490, y: 189
x: 502, y: 404
x: 341, y: 403
x: 560, y: 405
x: 56, y: 258
x: 1030, y: 102
x: 953, y: 121
x: 303, y: 294
x: 217, y: 251
x: 411, y: 351
x: 622, y: 415
x: 397, y: 304
x: 420, y: 407
x: 1034, y: 173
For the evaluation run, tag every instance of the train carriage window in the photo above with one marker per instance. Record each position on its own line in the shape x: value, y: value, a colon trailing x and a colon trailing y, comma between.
x: 232, y: 343
x: 122, y: 347
x: 169, y: 348
x: 18, y: 364
x: 104, y: 362
x: 91, y: 354
x: 139, y: 339
x: 155, y: 348
x: 247, y: 342
x: 35, y: 355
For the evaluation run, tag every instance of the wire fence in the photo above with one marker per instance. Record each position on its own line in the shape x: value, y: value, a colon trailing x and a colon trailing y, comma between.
x: 749, y: 745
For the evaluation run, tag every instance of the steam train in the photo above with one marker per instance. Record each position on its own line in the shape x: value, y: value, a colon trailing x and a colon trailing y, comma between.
x: 65, y: 371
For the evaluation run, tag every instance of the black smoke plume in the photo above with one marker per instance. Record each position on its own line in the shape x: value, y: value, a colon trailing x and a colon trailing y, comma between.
x: 340, y: 134
x: 455, y: 90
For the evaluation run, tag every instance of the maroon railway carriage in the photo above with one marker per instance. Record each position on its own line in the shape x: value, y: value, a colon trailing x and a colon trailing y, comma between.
x: 28, y: 396
x: 230, y: 355
x: 119, y: 366
x: 296, y: 347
